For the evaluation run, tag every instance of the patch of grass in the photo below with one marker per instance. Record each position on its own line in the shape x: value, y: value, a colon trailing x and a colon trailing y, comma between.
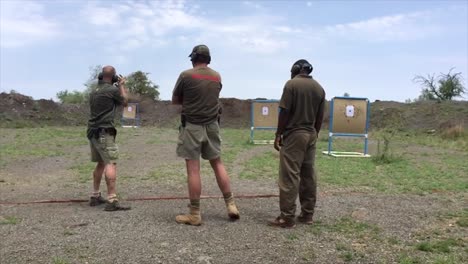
x: 9, y: 220
x: 262, y: 166
x: 463, y: 222
x: 174, y: 172
x: 234, y: 141
x: 42, y: 142
x: 84, y: 171
x: 460, y: 216
x: 393, y: 241
x: 59, y: 260
x: 424, y: 246
x: 318, y: 227
x: 405, y: 259
x: 347, y: 225
x: 341, y: 247
x: 446, y: 260
x: 292, y: 237
x: 68, y: 233
x: 441, y: 246
x: 347, y: 256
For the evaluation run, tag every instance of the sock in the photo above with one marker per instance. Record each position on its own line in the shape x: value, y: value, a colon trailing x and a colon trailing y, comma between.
x: 195, y: 203
x: 96, y: 194
x: 112, y: 198
x: 228, y: 197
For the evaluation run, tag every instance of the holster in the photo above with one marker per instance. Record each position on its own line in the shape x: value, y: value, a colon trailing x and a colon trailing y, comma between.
x: 182, y: 120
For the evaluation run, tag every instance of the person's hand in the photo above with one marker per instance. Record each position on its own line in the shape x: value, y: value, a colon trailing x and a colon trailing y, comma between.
x: 278, y: 142
x: 122, y: 80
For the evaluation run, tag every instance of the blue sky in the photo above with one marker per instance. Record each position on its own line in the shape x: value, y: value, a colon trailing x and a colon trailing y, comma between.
x: 366, y: 48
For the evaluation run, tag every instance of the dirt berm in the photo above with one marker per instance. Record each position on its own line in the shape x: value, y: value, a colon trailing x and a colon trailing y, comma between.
x: 17, y: 110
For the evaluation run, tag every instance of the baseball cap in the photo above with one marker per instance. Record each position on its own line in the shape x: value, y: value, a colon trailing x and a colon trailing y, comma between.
x: 201, y: 50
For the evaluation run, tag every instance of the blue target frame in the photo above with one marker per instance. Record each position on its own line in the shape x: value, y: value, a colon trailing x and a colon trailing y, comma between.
x: 364, y: 135
x: 253, y: 127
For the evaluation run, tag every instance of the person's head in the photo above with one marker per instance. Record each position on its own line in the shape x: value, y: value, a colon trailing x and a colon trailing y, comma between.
x: 108, y: 75
x: 200, y: 55
x: 301, y: 67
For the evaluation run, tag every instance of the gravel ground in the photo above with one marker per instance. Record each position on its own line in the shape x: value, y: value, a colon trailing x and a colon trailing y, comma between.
x: 352, y: 227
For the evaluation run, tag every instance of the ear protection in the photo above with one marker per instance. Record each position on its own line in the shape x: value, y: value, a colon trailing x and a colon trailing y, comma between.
x: 300, y: 65
x: 115, y: 78
x: 194, y: 57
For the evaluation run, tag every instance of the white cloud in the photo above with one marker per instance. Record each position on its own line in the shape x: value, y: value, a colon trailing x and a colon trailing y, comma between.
x: 386, y: 28
x: 149, y: 23
x: 252, y: 4
x: 23, y: 23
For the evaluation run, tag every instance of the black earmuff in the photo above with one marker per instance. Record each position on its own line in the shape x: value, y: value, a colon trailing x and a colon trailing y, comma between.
x: 300, y: 65
x: 193, y: 56
x: 115, y: 78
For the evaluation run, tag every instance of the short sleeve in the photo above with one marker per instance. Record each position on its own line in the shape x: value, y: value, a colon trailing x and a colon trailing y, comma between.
x: 178, y: 88
x: 286, y: 98
x: 118, y: 98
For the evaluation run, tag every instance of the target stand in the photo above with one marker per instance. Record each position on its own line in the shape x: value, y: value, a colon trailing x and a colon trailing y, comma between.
x: 131, y: 116
x: 349, y: 117
x: 263, y: 116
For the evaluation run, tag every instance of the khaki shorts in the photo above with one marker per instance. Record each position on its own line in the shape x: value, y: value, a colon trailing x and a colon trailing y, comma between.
x: 195, y: 140
x: 104, y: 149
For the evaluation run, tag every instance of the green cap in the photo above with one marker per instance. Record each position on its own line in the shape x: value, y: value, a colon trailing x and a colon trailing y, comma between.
x: 201, y: 50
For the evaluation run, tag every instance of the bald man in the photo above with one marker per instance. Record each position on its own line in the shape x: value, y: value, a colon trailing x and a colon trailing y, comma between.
x: 101, y: 134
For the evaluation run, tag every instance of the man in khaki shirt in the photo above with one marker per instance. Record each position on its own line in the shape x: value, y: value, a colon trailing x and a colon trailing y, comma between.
x: 197, y: 90
x: 301, y: 114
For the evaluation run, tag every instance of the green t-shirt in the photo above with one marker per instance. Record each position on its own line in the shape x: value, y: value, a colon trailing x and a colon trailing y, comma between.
x: 103, y: 101
x: 199, y: 89
x: 302, y: 97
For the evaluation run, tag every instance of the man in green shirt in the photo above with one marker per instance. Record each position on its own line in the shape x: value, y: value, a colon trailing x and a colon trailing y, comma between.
x: 197, y: 90
x: 301, y: 114
x: 101, y: 133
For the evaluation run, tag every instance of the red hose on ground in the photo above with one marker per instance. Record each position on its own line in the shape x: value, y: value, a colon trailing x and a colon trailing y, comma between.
x: 242, y: 196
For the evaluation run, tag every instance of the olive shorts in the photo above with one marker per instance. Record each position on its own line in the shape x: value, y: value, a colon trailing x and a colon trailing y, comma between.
x: 104, y: 149
x: 195, y: 140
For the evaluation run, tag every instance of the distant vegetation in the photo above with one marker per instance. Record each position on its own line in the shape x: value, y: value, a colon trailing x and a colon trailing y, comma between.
x: 138, y: 83
x: 443, y: 88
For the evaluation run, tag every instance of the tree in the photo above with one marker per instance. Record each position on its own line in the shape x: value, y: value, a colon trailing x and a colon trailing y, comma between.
x: 139, y: 83
x: 74, y: 97
x: 346, y: 95
x: 445, y: 87
x: 77, y: 97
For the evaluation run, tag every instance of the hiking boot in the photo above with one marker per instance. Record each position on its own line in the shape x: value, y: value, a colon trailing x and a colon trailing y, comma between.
x: 96, y: 200
x: 282, y: 222
x: 233, y: 213
x: 115, y: 206
x: 305, y: 219
x: 193, y: 218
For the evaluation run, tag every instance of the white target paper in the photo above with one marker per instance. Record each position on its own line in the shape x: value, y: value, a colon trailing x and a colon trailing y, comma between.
x: 350, y: 111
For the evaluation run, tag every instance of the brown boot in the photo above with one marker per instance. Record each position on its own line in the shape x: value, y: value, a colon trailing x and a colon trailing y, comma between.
x: 193, y: 218
x: 232, y: 210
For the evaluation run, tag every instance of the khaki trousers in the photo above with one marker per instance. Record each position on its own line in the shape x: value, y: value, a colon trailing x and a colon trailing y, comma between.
x: 297, y: 173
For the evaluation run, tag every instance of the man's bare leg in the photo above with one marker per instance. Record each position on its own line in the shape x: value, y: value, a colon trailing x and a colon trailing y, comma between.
x: 194, y: 189
x: 96, y: 198
x: 222, y: 177
x: 224, y: 184
x: 193, y: 179
x: 97, y: 177
x: 111, y: 178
